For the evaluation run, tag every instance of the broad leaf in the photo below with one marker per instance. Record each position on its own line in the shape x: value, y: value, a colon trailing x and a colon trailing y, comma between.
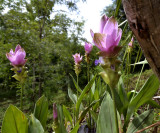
x: 106, y: 121
x: 35, y: 125
x: 61, y: 128
x: 14, y: 121
x: 75, y: 129
x: 123, y: 97
x: 72, y: 96
x: 67, y: 115
x: 41, y: 110
x: 146, y: 93
x: 140, y: 122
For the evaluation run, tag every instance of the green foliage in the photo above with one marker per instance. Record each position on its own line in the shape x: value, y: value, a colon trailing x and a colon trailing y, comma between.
x: 106, y: 120
x: 60, y: 126
x: 46, y: 40
x: 35, y: 125
x: 14, y: 121
x: 144, y: 95
x: 80, y: 98
x: 67, y: 115
x: 75, y: 129
x: 41, y: 111
x: 140, y: 122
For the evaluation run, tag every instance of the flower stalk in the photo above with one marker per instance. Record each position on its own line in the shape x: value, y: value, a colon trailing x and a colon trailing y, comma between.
x: 18, y: 61
x: 107, y: 41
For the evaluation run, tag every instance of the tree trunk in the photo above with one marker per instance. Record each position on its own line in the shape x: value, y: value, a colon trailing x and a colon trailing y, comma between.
x: 144, y: 20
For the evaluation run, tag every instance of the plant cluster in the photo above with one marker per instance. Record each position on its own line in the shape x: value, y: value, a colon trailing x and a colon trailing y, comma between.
x: 101, y: 106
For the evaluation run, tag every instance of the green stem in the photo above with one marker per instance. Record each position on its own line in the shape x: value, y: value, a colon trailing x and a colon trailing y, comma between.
x: 77, y: 100
x: 21, y: 98
x: 138, y: 80
x: 115, y: 110
x: 77, y: 85
x: 88, y: 75
x: 88, y: 72
x: 127, y: 70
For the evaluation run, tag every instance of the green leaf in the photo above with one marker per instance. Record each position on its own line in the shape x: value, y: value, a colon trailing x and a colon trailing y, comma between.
x: 75, y: 129
x: 145, y: 94
x: 123, y: 96
x: 41, y: 110
x: 14, y: 121
x: 94, y: 115
x: 106, y: 120
x: 67, y: 114
x: 86, y: 110
x: 140, y: 122
x: 117, y: 7
x: 76, y: 85
x: 35, y: 125
x: 72, y: 96
x: 118, y: 101
x: 61, y: 128
x: 153, y: 104
x: 141, y: 62
x: 85, y: 90
x: 93, y: 88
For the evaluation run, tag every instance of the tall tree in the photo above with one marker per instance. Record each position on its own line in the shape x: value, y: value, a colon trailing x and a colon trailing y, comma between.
x: 144, y: 20
x: 46, y: 40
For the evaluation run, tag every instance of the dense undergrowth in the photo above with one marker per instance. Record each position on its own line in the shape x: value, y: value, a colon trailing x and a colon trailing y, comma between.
x: 62, y: 98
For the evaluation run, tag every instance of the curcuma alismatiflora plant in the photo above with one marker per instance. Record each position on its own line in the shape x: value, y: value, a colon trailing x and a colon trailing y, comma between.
x: 100, y: 106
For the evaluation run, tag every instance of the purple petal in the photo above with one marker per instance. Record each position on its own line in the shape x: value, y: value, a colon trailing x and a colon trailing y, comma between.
x: 110, y: 41
x: 118, y: 37
x: 96, y: 62
x: 17, y: 48
x: 88, y: 47
x: 11, y: 52
x: 19, y: 57
x: 104, y: 20
x: 77, y: 58
x: 92, y: 33
x: 110, y: 26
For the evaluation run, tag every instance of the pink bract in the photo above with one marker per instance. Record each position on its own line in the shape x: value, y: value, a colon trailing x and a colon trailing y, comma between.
x: 88, y: 47
x: 108, y: 38
x: 55, y: 115
x: 77, y: 58
x: 131, y: 42
x: 17, y: 58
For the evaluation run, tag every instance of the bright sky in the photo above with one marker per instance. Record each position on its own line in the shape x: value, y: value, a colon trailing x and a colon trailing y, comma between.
x: 91, y: 11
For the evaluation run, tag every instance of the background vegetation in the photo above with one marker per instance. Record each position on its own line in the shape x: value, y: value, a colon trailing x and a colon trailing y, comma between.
x: 49, y: 43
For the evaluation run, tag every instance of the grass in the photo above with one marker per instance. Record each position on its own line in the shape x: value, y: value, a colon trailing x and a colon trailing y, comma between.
x: 132, y: 79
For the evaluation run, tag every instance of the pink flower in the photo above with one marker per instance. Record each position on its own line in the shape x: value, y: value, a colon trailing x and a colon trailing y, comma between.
x: 77, y: 58
x: 88, y: 47
x: 55, y: 115
x: 17, y: 58
x: 131, y: 42
x: 108, y: 38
